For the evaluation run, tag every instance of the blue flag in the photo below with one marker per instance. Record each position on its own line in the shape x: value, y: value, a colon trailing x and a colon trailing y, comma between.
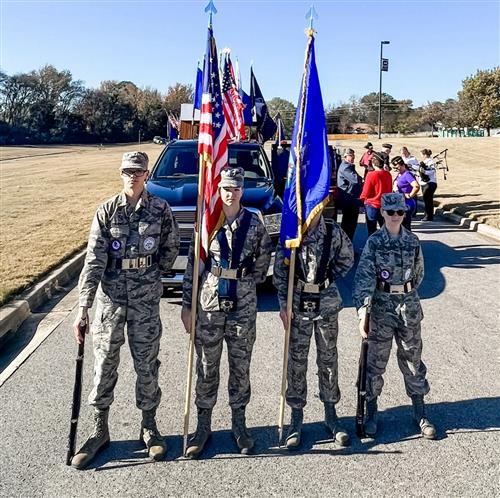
x: 247, y: 110
x: 198, y: 90
x: 266, y: 127
x: 308, y: 178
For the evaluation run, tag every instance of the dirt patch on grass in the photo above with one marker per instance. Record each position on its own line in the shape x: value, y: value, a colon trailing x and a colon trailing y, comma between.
x: 48, y: 196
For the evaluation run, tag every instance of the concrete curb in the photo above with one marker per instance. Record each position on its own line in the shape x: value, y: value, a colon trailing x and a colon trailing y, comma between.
x: 12, y: 315
x: 463, y: 221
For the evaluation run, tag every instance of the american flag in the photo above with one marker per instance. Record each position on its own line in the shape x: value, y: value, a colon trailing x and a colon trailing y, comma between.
x: 231, y: 100
x: 212, y: 145
x: 174, y: 122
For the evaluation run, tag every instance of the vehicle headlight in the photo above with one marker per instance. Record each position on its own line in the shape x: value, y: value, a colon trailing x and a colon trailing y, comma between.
x: 272, y: 222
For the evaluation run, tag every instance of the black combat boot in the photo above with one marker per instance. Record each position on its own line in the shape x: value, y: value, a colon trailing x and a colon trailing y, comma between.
x: 295, y: 429
x: 151, y: 437
x: 98, y: 440
x: 202, y: 434
x: 427, y: 429
x: 240, y: 432
x: 371, y: 418
x: 333, y: 424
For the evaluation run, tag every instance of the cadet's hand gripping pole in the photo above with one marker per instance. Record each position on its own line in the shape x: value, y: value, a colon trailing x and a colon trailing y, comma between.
x: 289, y: 305
x: 194, y: 303
x: 77, y: 395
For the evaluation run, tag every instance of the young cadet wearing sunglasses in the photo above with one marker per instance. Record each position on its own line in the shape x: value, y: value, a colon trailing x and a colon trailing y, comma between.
x: 390, y: 270
x: 133, y: 237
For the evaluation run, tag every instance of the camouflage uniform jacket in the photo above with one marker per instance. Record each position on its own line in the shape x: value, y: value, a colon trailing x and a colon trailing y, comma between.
x: 257, y: 246
x: 341, y: 260
x: 120, y: 231
x: 395, y: 261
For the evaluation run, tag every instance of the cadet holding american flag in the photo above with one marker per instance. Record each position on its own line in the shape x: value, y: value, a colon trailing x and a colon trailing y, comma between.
x: 229, y: 255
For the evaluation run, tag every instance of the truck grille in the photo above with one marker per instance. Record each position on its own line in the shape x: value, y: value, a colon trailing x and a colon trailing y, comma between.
x: 184, y: 216
x: 186, y: 233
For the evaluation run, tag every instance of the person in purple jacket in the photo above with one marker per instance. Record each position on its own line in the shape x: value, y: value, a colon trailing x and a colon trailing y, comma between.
x: 405, y: 183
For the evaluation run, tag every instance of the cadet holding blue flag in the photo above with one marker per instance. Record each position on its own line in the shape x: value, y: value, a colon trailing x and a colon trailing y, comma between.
x: 311, y: 255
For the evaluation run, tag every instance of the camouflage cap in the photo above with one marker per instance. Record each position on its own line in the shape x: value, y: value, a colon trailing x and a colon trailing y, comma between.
x: 135, y: 160
x: 387, y: 146
x: 348, y: 152
x: 232, y: 177
x: 393, y: 201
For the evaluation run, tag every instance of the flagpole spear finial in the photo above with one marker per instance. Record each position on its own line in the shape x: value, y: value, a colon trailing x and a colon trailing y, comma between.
x: 210, y: 8
x: 311, y: 15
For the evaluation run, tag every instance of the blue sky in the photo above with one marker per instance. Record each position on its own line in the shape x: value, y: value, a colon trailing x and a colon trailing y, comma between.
x: 434, y: 44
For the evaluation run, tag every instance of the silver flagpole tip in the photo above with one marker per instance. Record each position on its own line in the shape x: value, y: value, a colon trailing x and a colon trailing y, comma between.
x: 211, y: 7
x: 311, y: 15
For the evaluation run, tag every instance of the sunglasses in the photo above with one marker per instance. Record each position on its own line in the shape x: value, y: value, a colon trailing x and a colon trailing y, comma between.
x: 133, y: 172
x: 391, y: 212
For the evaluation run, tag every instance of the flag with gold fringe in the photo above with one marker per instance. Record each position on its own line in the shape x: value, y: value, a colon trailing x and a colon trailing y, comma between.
x: 308, y: 178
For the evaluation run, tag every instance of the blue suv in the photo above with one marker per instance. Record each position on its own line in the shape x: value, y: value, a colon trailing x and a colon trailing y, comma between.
x: 174, y: 177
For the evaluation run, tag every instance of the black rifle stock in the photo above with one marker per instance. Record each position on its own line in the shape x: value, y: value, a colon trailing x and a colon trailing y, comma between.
x: 77, y: 396
x: 361, y: 383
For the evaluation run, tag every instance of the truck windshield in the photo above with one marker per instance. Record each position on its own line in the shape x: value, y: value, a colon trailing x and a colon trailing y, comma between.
x: 183, y: 161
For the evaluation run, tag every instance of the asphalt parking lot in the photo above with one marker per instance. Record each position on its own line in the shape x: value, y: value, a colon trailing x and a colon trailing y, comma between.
x: 460, y: 296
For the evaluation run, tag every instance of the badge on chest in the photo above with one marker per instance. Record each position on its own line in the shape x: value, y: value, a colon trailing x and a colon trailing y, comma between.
x: 385, y: 275
x: 116, y: 245
x: 149, y: 243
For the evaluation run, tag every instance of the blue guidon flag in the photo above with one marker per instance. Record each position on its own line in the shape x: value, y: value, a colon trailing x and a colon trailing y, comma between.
x: 308, y: 178
x: 198, y: 89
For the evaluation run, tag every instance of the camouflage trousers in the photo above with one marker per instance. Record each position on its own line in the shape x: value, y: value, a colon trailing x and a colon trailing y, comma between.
x: 325, y: 332
x: 409, y: 351
x: 144, y: 333
x: 238, y: 330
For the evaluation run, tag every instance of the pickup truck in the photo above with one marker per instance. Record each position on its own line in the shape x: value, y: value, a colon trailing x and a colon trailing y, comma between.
x: 174, y: 177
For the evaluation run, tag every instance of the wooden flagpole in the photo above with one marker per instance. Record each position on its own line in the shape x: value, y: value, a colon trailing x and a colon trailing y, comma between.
x: 210, y: 8
x: 293, y: 255
x: 194, y: 302
x: 289, y: 306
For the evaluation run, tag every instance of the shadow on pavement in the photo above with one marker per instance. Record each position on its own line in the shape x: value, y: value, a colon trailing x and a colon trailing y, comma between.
x: 438, y: 255
x: 449, y: 196
x: 474, y: 206
x: 395, y: 425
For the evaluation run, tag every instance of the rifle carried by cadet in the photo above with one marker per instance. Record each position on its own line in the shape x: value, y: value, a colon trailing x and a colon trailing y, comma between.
x: 361, y: 383
x: 77, y: 395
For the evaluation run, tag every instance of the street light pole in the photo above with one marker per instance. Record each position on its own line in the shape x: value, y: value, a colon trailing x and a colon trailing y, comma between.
x: 382, y: 43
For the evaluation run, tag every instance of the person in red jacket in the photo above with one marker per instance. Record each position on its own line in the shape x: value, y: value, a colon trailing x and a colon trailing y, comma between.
x: 377, y: 182
x: 366, y: 159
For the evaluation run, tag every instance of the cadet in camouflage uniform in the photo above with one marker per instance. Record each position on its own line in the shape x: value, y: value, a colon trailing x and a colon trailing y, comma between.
x: 390, y: 270
x: 133, y: 237
x: 325, y: 254
x: 227, y: 310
